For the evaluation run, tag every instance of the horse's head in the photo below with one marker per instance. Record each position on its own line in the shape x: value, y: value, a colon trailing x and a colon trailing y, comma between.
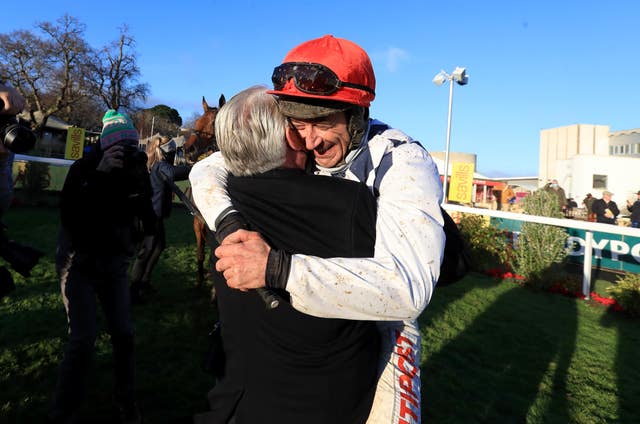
x: 203, y: 138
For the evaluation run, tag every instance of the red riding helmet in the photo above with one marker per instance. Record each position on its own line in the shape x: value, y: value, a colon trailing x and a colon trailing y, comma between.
x: 327, y: 68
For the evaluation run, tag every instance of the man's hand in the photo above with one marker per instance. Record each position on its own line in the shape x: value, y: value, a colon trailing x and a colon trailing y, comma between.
x: 112, y: 158
x: 242, y: 259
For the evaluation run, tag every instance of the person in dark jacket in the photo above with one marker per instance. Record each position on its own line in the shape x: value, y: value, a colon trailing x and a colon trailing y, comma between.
x: 161, y: 154
x: 554, y: 188
x: 588, y: 204
x: 635, y: 211
x: 103, y: 195
x: 284, y: 366
x: 606, y: 209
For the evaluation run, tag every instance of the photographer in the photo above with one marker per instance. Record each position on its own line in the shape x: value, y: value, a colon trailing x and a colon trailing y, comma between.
x: 11, y: 103
x: 105, y: 192
x: 13, y: 138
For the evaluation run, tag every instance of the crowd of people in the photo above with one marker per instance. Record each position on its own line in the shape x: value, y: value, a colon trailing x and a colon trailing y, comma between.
x: 603, y: 210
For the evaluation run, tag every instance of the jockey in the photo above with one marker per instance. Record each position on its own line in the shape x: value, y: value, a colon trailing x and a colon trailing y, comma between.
x: 325, y: 87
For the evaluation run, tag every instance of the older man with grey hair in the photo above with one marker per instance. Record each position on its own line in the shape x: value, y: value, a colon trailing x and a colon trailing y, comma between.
x: 293, y: 366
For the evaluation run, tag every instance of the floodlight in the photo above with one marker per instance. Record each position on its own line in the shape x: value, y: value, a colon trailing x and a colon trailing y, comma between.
x: 440, y: 78
x: 459, y: 75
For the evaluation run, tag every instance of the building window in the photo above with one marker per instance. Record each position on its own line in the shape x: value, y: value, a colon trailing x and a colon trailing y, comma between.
x: 599, y: 181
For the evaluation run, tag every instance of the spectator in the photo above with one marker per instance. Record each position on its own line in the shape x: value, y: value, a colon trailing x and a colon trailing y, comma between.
x: 508, y: 198
x: 588, y: 204
x: 606, y: 209
x: 554, y: 187
x: 12, y: 104
x: 162, y: 173
x: 497, y: 195
x: 571, y: 206
x: 103, y: 194
x: 635, y: 211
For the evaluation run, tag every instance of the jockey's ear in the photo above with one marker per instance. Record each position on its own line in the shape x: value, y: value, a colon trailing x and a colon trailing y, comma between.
x: 294, y: 141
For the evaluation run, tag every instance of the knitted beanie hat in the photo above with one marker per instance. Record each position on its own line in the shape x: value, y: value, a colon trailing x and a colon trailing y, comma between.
x: 115, y: 128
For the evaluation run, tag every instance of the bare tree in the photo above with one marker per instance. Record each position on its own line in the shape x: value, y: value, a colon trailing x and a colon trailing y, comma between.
x: 48, y: 71
x: 115, y: 74
x: 153, y: 121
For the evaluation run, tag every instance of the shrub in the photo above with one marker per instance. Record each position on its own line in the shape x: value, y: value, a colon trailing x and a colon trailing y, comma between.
x: 489, y: 246
x: 541, y: 249
x: 626, y: 292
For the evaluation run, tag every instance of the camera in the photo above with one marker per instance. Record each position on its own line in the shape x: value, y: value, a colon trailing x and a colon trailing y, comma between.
x: 133, y: 158
x: 15, y: 136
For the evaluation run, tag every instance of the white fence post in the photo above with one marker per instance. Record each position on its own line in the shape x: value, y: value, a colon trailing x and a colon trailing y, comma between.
x: 586, y: 268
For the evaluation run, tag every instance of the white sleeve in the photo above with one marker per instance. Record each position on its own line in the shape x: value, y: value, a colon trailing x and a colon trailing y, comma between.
x: 208, y: 179
x: 397, y: 283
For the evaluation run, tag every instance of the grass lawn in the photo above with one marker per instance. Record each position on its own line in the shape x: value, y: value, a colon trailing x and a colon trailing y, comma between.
x: 492, y: 352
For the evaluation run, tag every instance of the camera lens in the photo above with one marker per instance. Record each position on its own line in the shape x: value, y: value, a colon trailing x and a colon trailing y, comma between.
x: 17, y: 138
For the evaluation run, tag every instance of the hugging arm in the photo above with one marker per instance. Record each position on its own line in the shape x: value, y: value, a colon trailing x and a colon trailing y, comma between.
x: 397, y: 283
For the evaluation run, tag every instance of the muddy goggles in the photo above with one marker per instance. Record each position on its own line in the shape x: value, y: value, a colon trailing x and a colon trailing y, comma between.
x: 311, y: 78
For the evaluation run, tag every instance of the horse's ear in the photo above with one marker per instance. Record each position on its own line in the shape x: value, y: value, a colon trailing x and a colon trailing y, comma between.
x: 205, y: 105
x: 222, y: 101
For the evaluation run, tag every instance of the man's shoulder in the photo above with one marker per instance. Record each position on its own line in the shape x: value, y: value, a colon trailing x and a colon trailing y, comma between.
x: 385, y: 140
x: 380, y: 132
x: 203, y: 168
x: 295, y: 184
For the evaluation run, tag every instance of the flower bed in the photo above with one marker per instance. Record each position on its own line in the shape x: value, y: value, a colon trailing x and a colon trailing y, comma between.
x: 559, y: 288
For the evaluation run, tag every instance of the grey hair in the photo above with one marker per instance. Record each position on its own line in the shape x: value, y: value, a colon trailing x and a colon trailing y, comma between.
x: 250, y: 131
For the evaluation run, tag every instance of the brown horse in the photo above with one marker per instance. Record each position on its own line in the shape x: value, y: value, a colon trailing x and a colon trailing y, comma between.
x: 200, y: 144
x: 202, y: 140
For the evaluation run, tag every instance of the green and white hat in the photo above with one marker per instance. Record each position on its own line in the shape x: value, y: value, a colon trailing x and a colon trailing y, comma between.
x: 115, y: 128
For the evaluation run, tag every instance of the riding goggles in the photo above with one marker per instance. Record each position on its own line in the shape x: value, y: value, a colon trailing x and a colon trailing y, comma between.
x: 311, y: 78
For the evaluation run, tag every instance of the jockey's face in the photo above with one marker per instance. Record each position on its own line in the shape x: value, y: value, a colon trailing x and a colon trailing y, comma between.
x: 327, y: 138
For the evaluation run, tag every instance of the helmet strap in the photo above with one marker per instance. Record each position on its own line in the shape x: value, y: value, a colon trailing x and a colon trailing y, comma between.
x: 358, y: 118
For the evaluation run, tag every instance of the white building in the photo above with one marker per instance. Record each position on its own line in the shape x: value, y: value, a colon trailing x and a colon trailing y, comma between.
x: 588, y: 158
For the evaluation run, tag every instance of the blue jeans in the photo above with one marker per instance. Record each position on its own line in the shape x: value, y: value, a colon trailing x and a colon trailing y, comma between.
x: 83, y: 280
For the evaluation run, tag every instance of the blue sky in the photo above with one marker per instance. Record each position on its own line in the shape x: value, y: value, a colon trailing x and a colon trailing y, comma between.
x: 533, y: 64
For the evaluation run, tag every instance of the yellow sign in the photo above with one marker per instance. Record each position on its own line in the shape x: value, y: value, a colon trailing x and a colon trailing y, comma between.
x: 75, y: 143
x: 461, y: 182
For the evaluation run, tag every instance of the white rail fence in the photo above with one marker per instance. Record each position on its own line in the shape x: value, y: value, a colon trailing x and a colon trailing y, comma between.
x: 588, y: 227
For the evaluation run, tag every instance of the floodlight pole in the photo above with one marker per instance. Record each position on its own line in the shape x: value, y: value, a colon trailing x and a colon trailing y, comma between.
x: 460, y: 76
x: 446, y: 154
